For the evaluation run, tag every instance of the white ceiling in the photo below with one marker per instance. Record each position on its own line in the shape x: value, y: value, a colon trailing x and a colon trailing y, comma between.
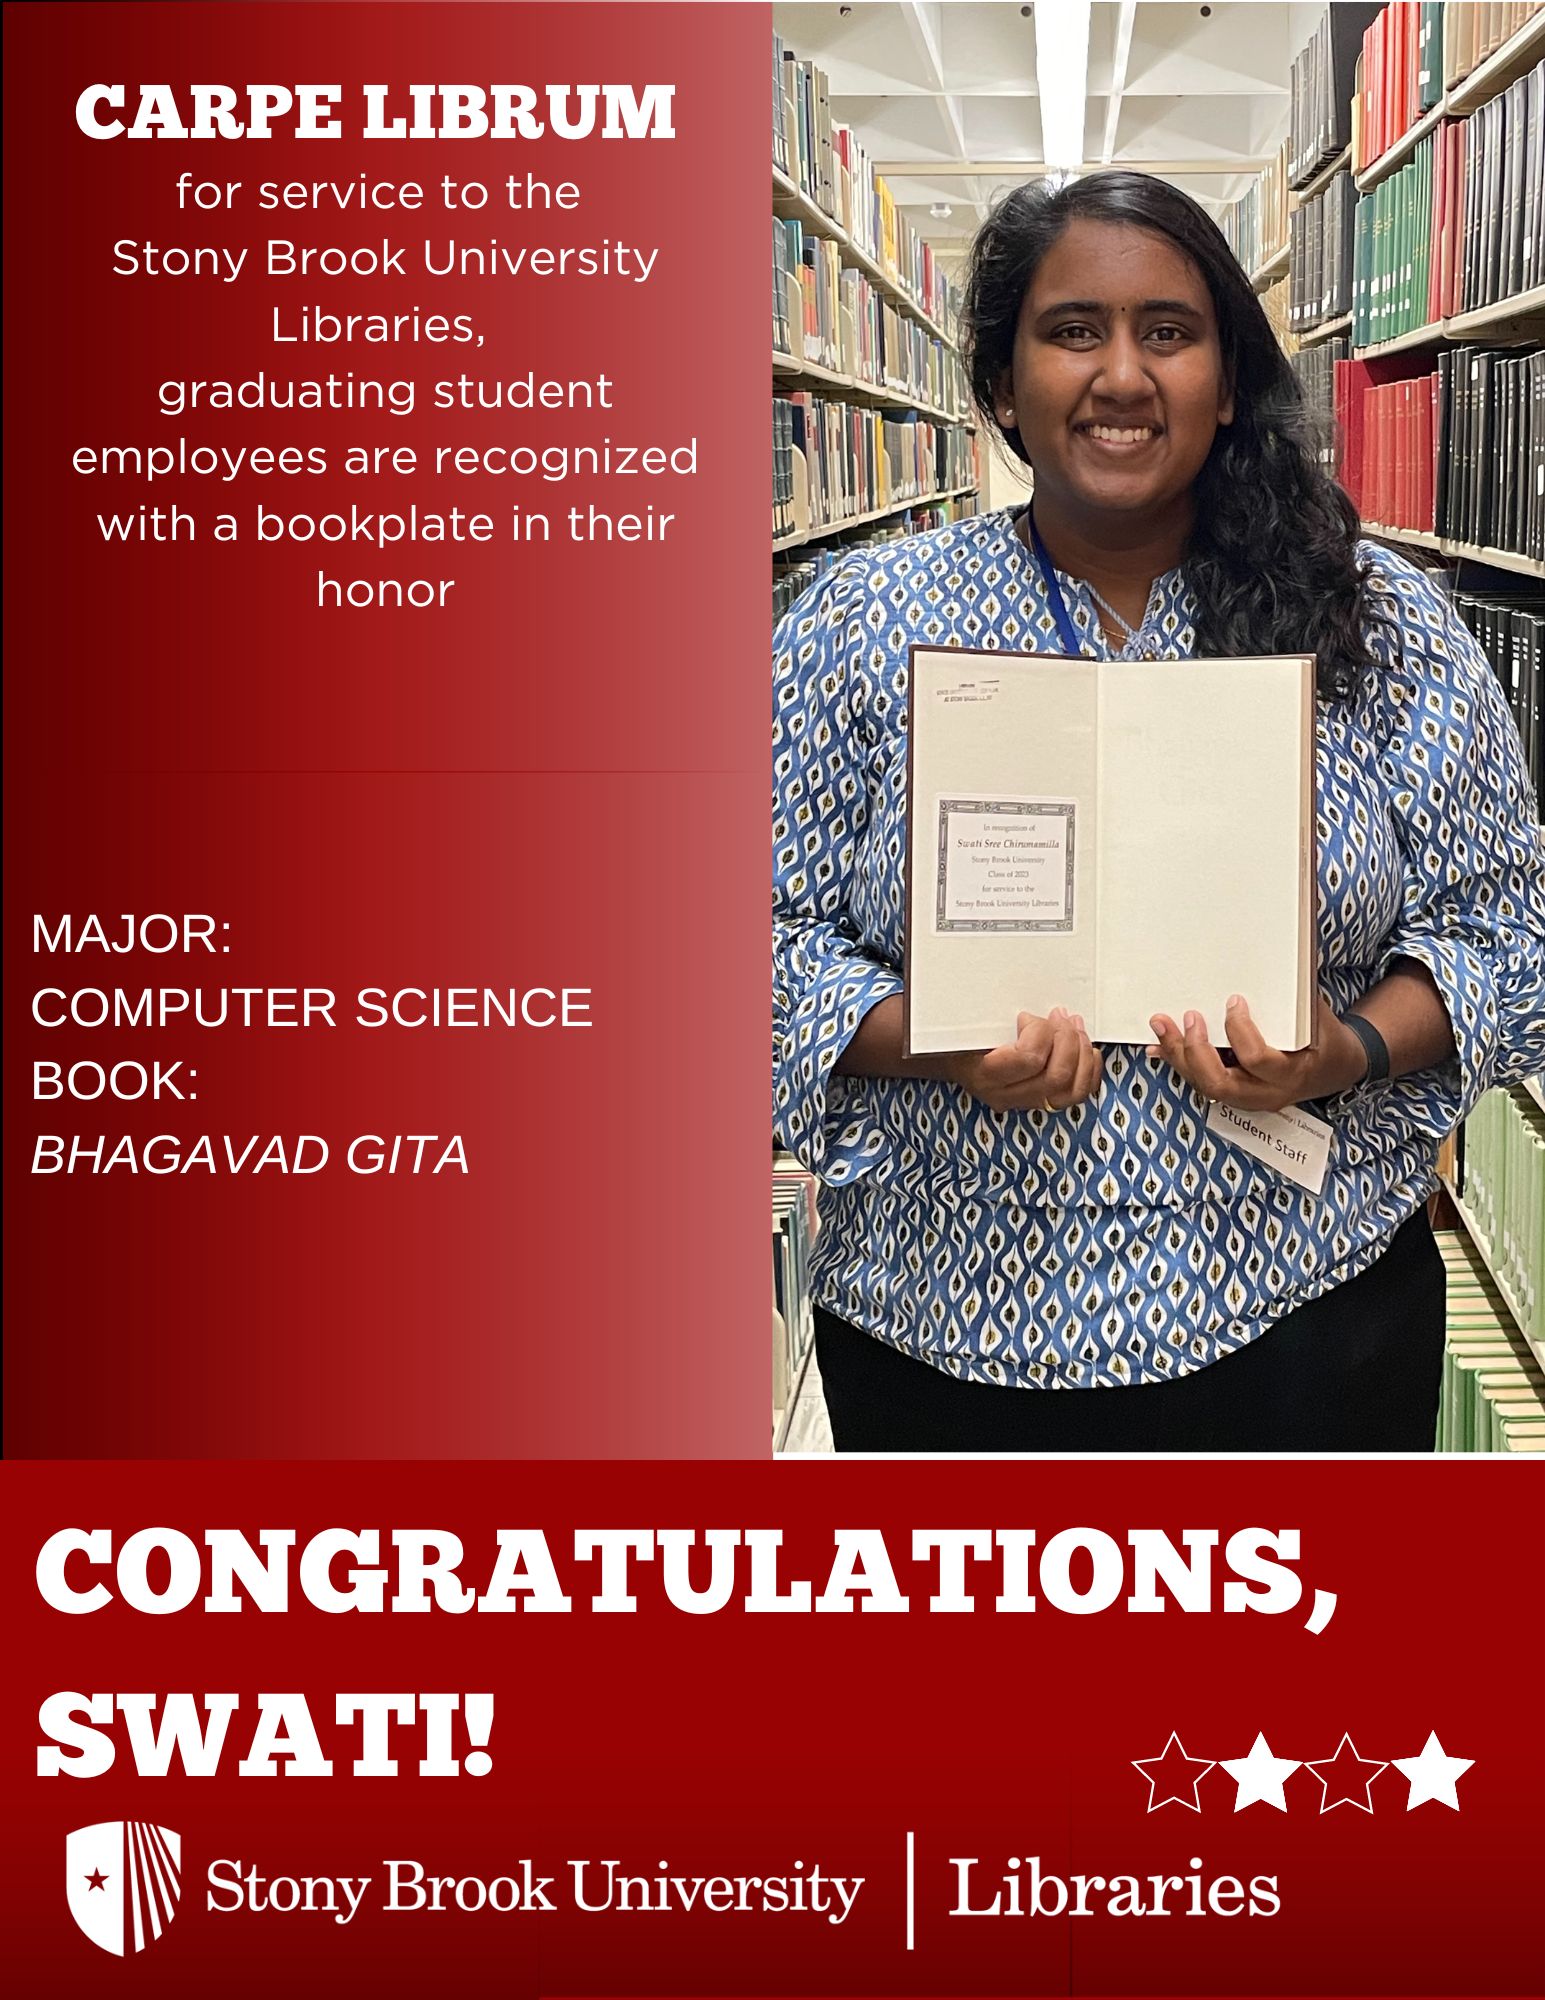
x: 943, y: 92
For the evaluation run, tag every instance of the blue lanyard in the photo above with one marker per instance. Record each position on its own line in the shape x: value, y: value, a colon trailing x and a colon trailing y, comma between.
x: 1071, y: 644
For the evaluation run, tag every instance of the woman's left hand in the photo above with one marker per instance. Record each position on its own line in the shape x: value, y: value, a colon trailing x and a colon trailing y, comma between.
x: 1266, y: 1079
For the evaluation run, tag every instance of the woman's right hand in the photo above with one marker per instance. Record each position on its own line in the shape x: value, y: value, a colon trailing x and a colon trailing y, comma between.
x: 1050, y: 1065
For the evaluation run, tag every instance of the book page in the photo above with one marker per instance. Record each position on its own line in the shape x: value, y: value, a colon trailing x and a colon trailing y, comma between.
x: 1205, y: 858
x: 1001, y: 844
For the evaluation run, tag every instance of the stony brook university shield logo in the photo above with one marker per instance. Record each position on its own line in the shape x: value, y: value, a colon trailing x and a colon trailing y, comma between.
x: 124, y: 1877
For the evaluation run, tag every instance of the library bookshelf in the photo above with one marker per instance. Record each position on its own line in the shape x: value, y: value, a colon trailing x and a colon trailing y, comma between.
x: 1508, y: 321
x: 1318, y: 182
x: 789, y: 367
x: 1312, y: 336
x: 1420, y: 538
x: 1499, y: 72
x: 825, y: 193
x: 1267, y: 274
x: 828, y: 312
x: 789, y: 200
x: 833, y: 528
x: 1496, y: 1192
x: 1502, y: 1275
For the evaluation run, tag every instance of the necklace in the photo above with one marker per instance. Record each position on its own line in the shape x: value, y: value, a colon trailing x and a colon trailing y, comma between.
x: 1128, y: 632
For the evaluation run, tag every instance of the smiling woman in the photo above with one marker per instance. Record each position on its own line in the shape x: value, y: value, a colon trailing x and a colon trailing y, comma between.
x: 1052, y: 1215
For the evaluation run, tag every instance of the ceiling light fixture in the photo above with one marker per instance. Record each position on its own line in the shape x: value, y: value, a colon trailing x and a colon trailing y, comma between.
x: 941, y: 211
x: 1062, y: 80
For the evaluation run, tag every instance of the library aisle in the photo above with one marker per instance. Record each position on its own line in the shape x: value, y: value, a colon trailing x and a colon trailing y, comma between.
x: 1379, y: 172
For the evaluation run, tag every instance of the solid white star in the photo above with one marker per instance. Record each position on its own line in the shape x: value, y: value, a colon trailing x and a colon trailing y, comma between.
x: 1259, y: 1776
x: 1433, y: 1774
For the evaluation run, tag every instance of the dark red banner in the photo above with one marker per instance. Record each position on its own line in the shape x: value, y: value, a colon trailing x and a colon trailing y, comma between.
x: 1101, y: 1750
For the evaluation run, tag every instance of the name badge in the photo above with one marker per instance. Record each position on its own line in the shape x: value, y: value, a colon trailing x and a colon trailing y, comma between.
x: 1296, y: 1144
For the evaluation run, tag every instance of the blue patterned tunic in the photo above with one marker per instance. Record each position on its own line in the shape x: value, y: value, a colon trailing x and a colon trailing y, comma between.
x: 1119, y: 1242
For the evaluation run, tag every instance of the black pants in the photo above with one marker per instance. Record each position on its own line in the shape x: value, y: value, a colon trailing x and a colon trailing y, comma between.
x: 1355, y: 1370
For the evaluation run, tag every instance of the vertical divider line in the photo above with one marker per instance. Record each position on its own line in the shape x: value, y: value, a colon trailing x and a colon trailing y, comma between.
x: 911, y: 1891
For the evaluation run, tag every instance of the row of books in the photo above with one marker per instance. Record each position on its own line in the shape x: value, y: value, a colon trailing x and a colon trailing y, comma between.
x: 834, y: 462
x: 1504, y: 213
x: 1510, y: 631
x: 828, y: 163
x: 1368, y: 74
x: 1321, y: 90
x: 794, y: 572
x: 1472, y: 33
x: 1493, y: 1393
x: 1408, y: 252
x: 1502, y: 1186
x: 1320, y: 255
x: 832, y: 315
x: 793, y: 1233
x: 910, y: 261
x: 1412, y: 53
x: 1315, y: 368
x: 1490, y: 488
x: 1461, y: 225
x: 1458, y: 452
x: 802, y: 127
x: 1389, y: 456
x: 1400, y: 75
x: 1256, y: 225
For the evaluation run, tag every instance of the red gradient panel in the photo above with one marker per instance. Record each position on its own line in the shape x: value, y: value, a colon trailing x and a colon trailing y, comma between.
x: 732, y: 1743
x: 556, y: 780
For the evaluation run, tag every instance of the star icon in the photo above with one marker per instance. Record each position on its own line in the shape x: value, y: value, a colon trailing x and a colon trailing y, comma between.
x: 1432, y: 1775
x: 96, y: 1880
x: 1346, y: 1778
x: 1172, y: 1776
x: 1259, y: 1776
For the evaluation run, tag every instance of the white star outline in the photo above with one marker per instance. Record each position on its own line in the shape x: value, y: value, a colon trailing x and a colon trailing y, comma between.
x: 1433, y: 1775
x: 1365, y: 1803
x: 1173, y: 1741
x: 1260, y: 1776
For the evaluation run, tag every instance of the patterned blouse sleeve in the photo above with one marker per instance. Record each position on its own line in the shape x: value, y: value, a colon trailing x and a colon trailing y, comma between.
x: 1474, y: 900
x: 824, y: 981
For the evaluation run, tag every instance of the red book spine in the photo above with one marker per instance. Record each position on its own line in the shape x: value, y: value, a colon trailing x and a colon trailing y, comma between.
x: 1371, y: 449
x: 1397, y: 44
x: 1393, y: 516
x: 1399, y: 517
x: 1389, y: 498
x: 1392, y: 78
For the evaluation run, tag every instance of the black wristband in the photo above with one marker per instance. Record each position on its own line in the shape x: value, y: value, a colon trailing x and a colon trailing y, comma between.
x: 1374, y: 1046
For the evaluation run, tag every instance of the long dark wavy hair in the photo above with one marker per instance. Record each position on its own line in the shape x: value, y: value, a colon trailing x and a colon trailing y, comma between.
x: 1273, y: 563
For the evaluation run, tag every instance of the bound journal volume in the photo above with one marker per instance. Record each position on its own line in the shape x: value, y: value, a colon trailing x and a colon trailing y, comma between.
x: 1117, y: 837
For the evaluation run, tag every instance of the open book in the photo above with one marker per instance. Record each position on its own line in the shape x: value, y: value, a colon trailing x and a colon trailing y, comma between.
x: 1117, y: 837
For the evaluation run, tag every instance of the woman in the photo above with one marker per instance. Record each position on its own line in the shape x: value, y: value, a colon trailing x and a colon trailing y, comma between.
x: 1049, y: 1216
